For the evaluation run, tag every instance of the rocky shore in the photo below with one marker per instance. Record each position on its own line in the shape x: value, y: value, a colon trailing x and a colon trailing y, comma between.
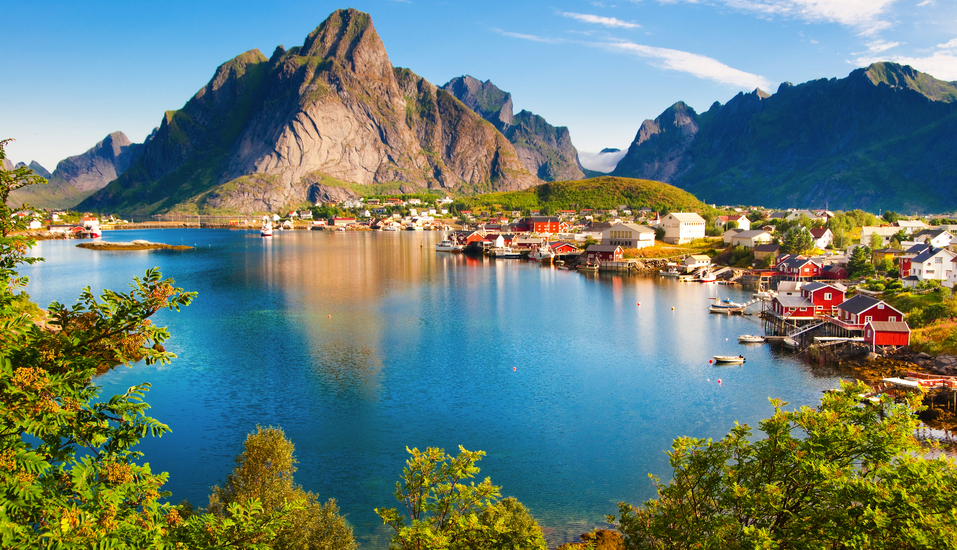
x: 133, y: 245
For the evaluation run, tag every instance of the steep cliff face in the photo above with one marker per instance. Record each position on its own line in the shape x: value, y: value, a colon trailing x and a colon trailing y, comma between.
x: 545, y: 150
x: 877, y: 139
x: 332, y: 113
x: 77, y: 177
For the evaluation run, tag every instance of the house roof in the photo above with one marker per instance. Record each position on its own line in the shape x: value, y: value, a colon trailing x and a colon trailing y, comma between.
x: 733, y: 231
x: 887, y: 251
x: 930, y: 253
x: 860, y: 303
x: 700, y: 257
x: 889, y: 326
x: 767, y: 248
x: 686, y: 217
x: 819, y: 232
x: 544, y: 219
x: 778, y: 215
x: 751, y: 234
x: 602, y: 248
x: 796, y: 262
x: 917, y: 248
x: 790, y: 286
x: 635, y: 227
x: 814, y: 285
x: 794, y: 301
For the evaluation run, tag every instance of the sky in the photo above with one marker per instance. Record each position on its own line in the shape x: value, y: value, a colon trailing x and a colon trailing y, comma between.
x: 73, y: 71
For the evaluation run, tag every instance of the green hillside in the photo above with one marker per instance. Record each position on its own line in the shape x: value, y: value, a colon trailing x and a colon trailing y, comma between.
x: 606, y: 192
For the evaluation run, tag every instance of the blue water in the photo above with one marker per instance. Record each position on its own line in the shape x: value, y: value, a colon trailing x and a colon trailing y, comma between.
x: 360, y: 344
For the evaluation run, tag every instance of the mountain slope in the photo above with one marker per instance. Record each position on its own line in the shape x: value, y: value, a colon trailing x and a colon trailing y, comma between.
x: 318, y: 120
x: 882, y: 138
x: 79, y: 176
x: 546, y: 150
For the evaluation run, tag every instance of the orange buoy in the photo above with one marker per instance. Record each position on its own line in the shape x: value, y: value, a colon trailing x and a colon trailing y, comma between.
x: 710, y: 361
x: 639, y: 303
x: 719, y: 380
x: 514, y: 368
x: 330, y: 316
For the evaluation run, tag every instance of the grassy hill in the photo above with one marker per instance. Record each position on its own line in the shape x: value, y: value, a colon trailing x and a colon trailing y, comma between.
x: 606, y: 192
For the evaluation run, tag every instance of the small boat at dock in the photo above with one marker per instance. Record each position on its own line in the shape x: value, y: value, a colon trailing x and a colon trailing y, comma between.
x: 750, y: 339
x: 729, y: 359
x: 266, y: 230
x: 448, y: 246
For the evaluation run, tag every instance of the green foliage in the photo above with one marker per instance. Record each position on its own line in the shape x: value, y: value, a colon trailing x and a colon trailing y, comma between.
x: 859, y: 265
x: 741, y: 257
x: 890, y: 216
x: 70, y: 476
x: 876, y: 241
x: 797, y: 240
x: 446, y: 513
x: 264, y: 473
x: 844, y: 475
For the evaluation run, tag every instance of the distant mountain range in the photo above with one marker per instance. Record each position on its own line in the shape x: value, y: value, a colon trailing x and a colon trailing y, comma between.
x: 78, y: 177
x: 882, y: 138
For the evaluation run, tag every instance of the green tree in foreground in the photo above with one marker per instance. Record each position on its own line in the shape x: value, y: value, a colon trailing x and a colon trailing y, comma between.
x: 797, y: 240
x: 848, y: 474
x: 859, y: 264
x: 69, y: 474
x: 445, y: 513
x: 264, y: 472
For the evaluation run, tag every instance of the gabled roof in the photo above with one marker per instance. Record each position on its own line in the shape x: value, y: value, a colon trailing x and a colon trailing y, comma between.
x: 889, y: 326
x: 635, y: 227
x: 917, y: 248
x: 794, y: 301
x: 819, y: 232
x: 544, y: 219
x: 750, y: 234
x: 686, y: 217
x: 795, y: 262
x: 779, y: 215
x: 812, y: 286
x: 602, y: 248
x: 861, y: 303
x: 930, y: 253
x: 767, y: 248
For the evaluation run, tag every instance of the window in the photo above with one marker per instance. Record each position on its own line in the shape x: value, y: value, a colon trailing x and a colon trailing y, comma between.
x: 827, y: 295
x: 868, y: 319
x: 880, y: 306
x: 892, y: 318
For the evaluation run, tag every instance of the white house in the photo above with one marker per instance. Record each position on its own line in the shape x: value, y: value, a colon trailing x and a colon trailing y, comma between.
x: 742, y: 221
x: 730, y: 234
x: 931, y: 264
x: 694, y: 261
x: 813, y: 216
x: 911, y: 226
x: 682, y: 227
x: 937, y: 238
x: 884, y: 232
x: 752, y: 238
x: 822, y: 237
x: 628, y: 235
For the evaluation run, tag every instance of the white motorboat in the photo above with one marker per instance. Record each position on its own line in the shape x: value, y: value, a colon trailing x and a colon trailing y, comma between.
x: 543, y: 253
x: 670, y: 272
x: 448, y: 246
x: 266, y: 230
x: 750, y: 339
x: 729, y: 359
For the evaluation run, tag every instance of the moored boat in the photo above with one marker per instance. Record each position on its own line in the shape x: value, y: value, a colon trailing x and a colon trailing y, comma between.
x: 750, y: 339
x: 266, y: 230
x: 448, y: 246
x: 543, y: 253
x: 672, y: 271
x: 589, y: 267
x: 738, y: 359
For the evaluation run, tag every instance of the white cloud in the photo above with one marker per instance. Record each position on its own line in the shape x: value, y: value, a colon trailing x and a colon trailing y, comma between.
x: 692, y: 63
x: 951, y: 45
x: 530, y: 37
x: 926, y: 3
x: 602, y: 162
x: 862, y: 15
x: 878, y: 46
x: 597, y: 19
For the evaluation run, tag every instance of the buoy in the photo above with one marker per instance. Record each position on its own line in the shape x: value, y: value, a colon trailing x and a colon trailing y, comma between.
x: 709, y: 380
x: 514, y: 368
x: 330, y: 316
x: 710, y: 361
x: 672, y: 309
x: 719, y: 380
x: 639, y: 303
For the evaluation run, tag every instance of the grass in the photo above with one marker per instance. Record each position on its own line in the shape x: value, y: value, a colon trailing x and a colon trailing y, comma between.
x: 937, y: 338
x: 662, y: 250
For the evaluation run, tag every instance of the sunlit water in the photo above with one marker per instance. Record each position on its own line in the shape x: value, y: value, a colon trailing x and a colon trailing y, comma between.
x: 360, y: 344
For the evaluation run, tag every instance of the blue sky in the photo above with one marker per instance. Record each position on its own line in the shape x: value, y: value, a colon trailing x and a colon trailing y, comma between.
x: 74, y: 71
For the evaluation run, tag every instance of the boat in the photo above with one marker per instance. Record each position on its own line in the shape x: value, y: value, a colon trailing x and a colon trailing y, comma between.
x: 750, y: 339
x: 559, y: 263
x: 736, y: 359
x: 505, y: 253
x: 672, y: 271
x: 708, y: 277
x: 588, y: 267
x: 543, y: 253
x: 266, y: 230
x: 764, y: 294
x: 791, y: 343
x: 448, y: 246
x: 725, y: 306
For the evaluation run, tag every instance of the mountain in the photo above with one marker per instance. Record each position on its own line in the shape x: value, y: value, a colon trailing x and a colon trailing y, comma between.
x: 36, y: 167
x: 78, y: 177
x: 319, y: 121
x: 546, y: 150
x: 881, y: 138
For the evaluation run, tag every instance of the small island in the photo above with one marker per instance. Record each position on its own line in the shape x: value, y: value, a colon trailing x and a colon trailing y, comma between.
x: 132, y: 245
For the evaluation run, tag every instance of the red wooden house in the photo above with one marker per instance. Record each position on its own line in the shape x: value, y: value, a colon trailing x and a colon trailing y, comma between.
x: 885, y: 333
x: 834, y: 272
x: 466, y: 238
x: 799, y: 267
x: 824, y: 296
x: 604, y: 253
x: 854, y: 313
x: 543, y: 224
x: 563, y: 247
x: 790, y: 307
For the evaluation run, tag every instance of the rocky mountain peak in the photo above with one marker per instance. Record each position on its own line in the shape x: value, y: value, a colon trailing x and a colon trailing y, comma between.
x: 485, y: 98
x: 347, y: 36
x: 906, y: 77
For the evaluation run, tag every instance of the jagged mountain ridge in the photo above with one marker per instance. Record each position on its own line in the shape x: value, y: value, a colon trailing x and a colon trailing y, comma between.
x: 79, y: 176
x: 306, y: 124
x: 547, y: 151
x: 881, y: 138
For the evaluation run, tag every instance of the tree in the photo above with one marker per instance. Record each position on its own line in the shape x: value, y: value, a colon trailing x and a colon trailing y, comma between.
x: 797, y: 240
x: 264, y: 473
x: 859, y: 265
x: 848, y: 474
x: 445, y: 513
x: 890, y: 216
x: 69, y: 474
x: 876, y: 241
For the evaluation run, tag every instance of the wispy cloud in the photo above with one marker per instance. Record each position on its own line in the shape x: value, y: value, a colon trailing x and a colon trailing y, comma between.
x: 530, y: 37
x: 926, y: 3
x: 941, y: 63
x: 599, y: 20
x: 865, y: 16
x: 878, y: 46
x: 691, y: 63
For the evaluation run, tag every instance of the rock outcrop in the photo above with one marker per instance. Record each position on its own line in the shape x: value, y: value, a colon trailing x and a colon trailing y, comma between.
x: 882, y: 138
x: 546, y: 150
x: 77, y: 177
x: 310, y: 123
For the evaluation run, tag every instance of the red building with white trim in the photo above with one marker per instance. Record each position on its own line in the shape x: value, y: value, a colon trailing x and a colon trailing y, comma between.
x: 883, y: 333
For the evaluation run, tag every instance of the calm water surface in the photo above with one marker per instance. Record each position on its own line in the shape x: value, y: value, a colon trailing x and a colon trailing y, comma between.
x: 360, y: 344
